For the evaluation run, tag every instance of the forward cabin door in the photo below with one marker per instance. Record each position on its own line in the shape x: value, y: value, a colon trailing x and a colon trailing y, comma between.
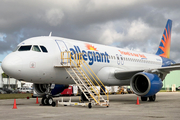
x: 62, y: 47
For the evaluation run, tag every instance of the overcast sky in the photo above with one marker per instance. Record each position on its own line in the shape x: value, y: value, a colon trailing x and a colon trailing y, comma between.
x: 130, y: 24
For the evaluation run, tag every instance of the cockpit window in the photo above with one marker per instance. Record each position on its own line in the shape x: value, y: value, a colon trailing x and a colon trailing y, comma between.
x: 25, y: 48
x: 43, y: 49
x: 36, y: 48
x: 16, y: 49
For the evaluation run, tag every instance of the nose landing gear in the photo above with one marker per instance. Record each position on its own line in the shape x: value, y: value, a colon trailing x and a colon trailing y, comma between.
x: 47, y: 98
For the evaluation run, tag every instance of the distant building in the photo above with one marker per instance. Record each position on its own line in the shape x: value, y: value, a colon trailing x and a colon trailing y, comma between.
x: 9, y: 82
x: 171, y: 79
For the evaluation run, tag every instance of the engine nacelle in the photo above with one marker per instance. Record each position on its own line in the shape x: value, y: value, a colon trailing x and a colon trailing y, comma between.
x: 41, y: 89
x: 146, y: 84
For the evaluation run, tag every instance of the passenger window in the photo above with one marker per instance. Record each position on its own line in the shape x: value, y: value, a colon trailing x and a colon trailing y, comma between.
x: 118, y: 57
x: 25, y: 48
x: 43, y: 49
x: 36, y: 48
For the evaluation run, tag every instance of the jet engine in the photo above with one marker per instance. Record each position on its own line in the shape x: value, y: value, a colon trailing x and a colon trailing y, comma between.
x: 146, y: 84
x: 41, y: 89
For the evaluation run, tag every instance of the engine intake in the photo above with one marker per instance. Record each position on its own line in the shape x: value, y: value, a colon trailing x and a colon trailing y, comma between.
x: 146, y: 84
x: 41, y: 89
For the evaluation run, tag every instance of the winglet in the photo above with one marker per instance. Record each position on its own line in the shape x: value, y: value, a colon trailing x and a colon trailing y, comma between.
x: 164, y: 47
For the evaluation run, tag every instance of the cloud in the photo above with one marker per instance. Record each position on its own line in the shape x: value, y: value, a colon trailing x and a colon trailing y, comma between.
x: 126, y: 32
x: 2, y: 36
x: 53, y: 17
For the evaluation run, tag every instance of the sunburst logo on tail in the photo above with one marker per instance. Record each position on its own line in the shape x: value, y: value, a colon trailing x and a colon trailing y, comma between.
x: 90, y: 47
x: 164, y: 47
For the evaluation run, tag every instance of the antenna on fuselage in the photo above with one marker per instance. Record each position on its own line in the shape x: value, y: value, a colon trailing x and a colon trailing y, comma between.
x: 50, y: 34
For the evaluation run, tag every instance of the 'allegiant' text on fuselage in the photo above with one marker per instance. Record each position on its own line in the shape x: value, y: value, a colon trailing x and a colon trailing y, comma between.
x: 92, y: 56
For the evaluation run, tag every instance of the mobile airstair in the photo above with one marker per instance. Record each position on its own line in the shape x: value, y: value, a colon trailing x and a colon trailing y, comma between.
x: 85, y: 79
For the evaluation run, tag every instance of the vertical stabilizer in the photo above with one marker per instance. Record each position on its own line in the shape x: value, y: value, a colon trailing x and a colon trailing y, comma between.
x: 164, y: 47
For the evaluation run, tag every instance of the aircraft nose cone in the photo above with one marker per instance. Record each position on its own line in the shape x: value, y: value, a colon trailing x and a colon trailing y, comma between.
x: 12, y: 65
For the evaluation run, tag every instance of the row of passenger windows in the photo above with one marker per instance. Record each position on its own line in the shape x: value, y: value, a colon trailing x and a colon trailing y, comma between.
x: 127, y: 59
x: 141, y: 60
x: 33, y: 48
x: 137, y: 60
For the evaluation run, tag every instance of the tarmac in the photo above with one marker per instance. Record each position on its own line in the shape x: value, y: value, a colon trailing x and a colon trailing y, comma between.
x: 166, y: 107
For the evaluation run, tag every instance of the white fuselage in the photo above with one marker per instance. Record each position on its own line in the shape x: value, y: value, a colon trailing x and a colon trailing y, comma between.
x: 38, y: 67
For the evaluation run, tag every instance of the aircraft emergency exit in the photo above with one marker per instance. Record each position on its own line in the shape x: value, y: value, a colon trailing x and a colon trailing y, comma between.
x: 34, y: 60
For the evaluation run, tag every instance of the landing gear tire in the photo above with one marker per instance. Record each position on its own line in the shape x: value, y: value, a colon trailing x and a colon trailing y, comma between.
x: 89, y: 105
x: 143, y: 98
x: 44, y: 101
x: 53, y: 104
x: 152, y: 98
x: 49, y: 100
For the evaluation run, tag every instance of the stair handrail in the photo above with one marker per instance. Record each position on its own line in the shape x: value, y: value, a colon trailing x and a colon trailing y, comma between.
x: 87, y: 82
x: 92, y: 87
x: 82, y: 61
x: 77, y: 57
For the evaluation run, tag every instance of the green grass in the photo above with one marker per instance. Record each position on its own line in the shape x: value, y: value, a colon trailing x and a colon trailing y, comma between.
x: 168, y: 91
x: 15, y: 96
x: 163, y: 91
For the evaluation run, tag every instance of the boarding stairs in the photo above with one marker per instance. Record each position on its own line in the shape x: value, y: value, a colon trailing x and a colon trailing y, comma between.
x: 85, y: 78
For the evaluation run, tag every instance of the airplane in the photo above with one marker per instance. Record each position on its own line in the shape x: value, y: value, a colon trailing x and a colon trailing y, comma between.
x: 34, y: 59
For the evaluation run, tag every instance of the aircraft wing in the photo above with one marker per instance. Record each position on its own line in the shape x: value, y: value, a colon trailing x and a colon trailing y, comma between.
x: 124, y: 75
x: 169, y: 68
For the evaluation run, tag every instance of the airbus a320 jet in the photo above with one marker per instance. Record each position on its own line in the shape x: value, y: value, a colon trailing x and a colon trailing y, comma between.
x: 35, y: 60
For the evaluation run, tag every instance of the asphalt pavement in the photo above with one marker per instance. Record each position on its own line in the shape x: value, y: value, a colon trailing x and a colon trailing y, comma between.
x: 122, y: 107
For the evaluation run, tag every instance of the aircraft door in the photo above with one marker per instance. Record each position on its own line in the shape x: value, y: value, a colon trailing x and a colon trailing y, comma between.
x: 118, y: 60
x: 121, y: 60
x: 62, y: 47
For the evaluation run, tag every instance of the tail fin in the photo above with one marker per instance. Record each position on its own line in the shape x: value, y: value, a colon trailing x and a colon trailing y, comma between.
x: 164, y: 47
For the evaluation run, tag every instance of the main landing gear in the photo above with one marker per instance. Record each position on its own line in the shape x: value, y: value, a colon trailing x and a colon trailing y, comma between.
x: 151, y: 98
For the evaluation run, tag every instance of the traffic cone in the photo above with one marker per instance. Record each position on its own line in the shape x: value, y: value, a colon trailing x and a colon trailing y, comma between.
x: 137, y: 101
x: 37, y: 100
x: 14, y: 106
